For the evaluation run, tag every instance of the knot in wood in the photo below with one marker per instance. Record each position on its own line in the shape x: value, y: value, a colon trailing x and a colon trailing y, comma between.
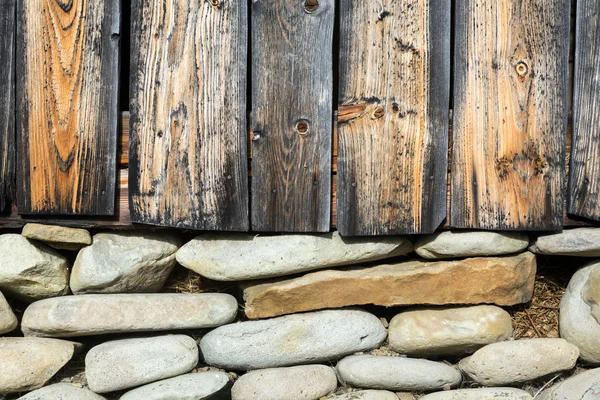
x: 311, y: 6
x: 522, y: 68
x: 215, y: 3
x: 379, y: 112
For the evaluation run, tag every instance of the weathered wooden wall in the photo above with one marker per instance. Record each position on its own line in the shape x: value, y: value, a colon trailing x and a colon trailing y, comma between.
x: 7, y: 105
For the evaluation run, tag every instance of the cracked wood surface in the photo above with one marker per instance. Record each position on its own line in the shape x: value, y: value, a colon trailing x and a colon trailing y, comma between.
x: 393, y: 116
x: 510, y: 114
x: 67, y: 111
x: 8, y: 149
x: 188, y: 161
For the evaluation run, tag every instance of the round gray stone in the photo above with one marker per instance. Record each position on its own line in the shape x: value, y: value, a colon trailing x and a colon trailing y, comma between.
x: 396, y: 373
x: 123, y: 364
x: 366, y: 395
x: 125, y: 262
x: 8, y: 319
x: 196, y: 386
x: 583, y: 386
x: 305, y: 382
x: 292, y: 339
x: 480, y: 394
x: 31, y: 270
x: 236, y: 256
x: 458, y: 244
x: 61, y: 391
x: 519, y: 361
x: 577, y: 325
x: 94, y: 314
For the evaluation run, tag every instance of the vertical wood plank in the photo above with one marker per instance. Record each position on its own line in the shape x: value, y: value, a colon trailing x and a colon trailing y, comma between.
x: 393, y: 113
x: 584, y: 173
x: 291, y: 114
x: 510, y: 114
x: 7, y: 105
x: 67, y: 106
x: 188, y: 161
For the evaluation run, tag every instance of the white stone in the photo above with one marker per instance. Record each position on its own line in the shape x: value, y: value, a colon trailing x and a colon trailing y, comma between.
x: 580, y: 242
x: 304, y: 382
x: 236, y: 256
x: 127, y: 363
x: 455, y: 244
x: 480, y: 394
x: 31, y: 270
x: 591, y: 293
x: 125, y: 262
x: 61, y: 391
x: 8, y: 319
x: 195, y: 386
x: 366, y: 395
x: 94, y: 314
x: 518, y: 361
x: 59, y: 237
x: 577, y: 325
x: 292, y: 339
x: 396, y: 373
x: 583, y: 386
x: 448, y: 331
x: 28, y: 363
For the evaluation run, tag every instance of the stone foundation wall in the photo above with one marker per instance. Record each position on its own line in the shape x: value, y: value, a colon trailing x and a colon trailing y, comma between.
x: 291, y: 316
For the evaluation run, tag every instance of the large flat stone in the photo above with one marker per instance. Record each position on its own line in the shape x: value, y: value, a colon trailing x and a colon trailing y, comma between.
x: 304, y: 382
x: 95, y: 314
x: 292, y: 340
x: 480, y: 394
x: 448, y: 331
x: 28, y: 363
x: 518, y: 361
x: 61, y: 391
x: 31, y: 270
x: 127, y: 363
x: 196, y: 386
x: 8, y: 319
x: 499, y: 280
x: 460, y: 244
x: 396, y: 373
x: 125, y: 262
x: 576, y: 322
x: 580, y: 242
x: 234, y: 257
x: 59, y: 237
x: 583, y: 386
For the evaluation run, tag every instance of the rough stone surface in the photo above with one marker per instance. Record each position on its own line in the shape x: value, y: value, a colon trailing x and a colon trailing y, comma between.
x: 518, y: 361
x: 28, y: 363
x: 448, y: 331
x: 500, y: 280
x: 61, y: 391
x: 455, y: 244
x: 583, y: 386
x: 123, y: 364
x: 59, y: 237
x: 305, y: 382
x: 480, y: 394
x: 577, y: 325
x: 396, y: 373
x: 292, y: 340
x: 94, y: 314
x: 591, y: 293
x: 366, y: 395
x: 196, y: 386
x: 31, y: 270
x: 581, y: 242
x: 233, y: 257
x: 125, y: 262
x: 8, y: 319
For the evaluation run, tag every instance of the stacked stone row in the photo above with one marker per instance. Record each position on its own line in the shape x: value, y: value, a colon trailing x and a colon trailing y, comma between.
x: 301, y: 336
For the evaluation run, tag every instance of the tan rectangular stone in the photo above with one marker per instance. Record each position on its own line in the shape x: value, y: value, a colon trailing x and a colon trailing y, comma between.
x: 503, y: 281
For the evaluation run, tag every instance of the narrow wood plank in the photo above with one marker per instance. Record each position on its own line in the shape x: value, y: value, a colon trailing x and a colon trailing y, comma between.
x: 7, y: 106
x: 67, y: 112
x: 510, y: 114
x: 584, y: 177
x: 291, y: 114
x: 188, y: 161
x: 394, y: 103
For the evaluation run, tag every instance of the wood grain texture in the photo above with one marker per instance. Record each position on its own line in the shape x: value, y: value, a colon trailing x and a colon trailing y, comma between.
x: 510, y: 114
x: 291, y: 114
x: 393, y: 116
x: 67, y: 106
x: 7, y: 105
x: 584, y: 173
x: 188, y: 161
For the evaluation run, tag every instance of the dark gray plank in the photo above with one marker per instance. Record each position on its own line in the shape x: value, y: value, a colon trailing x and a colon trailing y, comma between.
x: 291, y: 114
x: 7, y: 105
x: 188, y: 139
x: 67, y: 106
x: 393, y: 116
